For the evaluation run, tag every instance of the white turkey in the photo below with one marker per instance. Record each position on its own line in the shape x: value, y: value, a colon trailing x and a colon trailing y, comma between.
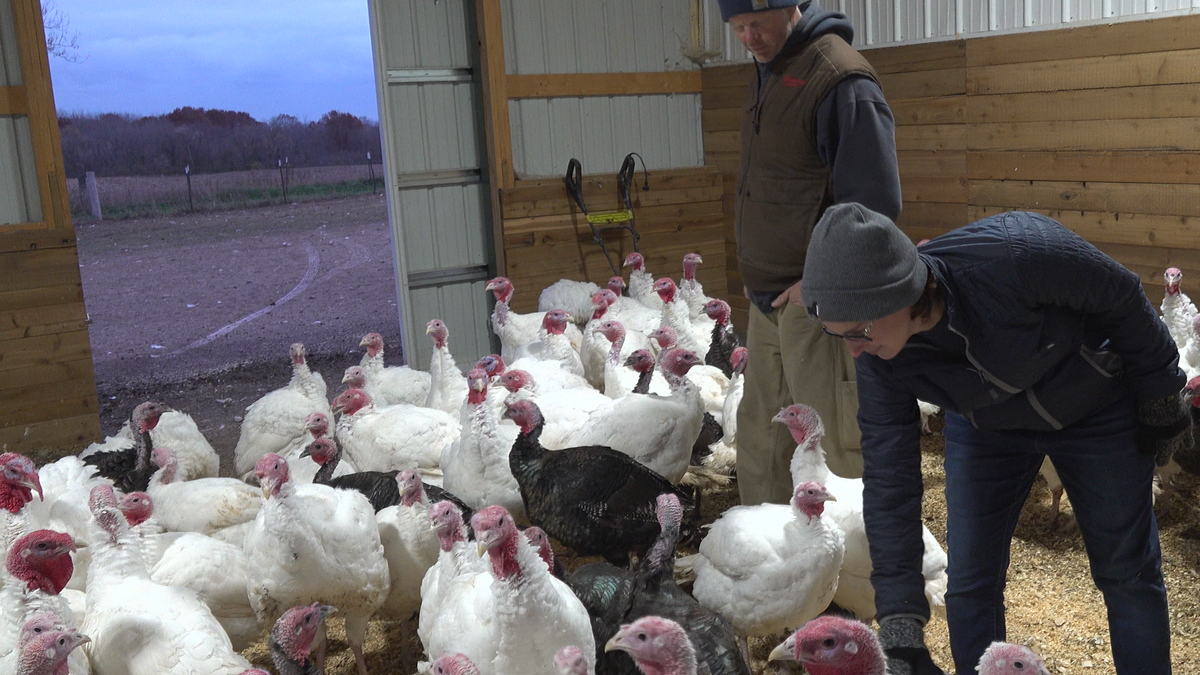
x: 573, y: 296
x: 641, y: 282
x: 396, y: 437
x: 771, y: 566
x: 633, y: 314
x: 565, y: 411
x: 658, y: 431
x: 292, y: 639
x: 174, y: 429
x: 690, y: 289
x: 395, y: 384
x: 594, y: 349
x: 447, y: 386
x: 204, y: 505
x: 475, y: 466
x: 303, y: 469
x: 619, y: 379
x: 47, y: 652
x: 552, y: 345
x: 658, y: 646
x: 456, y: 595
x: 37, y: 568
x: 215, y: 569
x: 854, y: 592
x: 125, y: 460
x: 711, y: 382
x: 276, y: 422
x: 1177, y: 308
x: 535, y: 614
x: 517, y: 330
x: 723, y: 454
x: 409, y: 544
x: 312, y: 543
x: 139, y: 627
x: 677, y: 315
x: 66, y: 485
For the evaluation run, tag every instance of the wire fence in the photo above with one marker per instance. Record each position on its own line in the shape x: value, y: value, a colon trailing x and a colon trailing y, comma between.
x: 138, y: 196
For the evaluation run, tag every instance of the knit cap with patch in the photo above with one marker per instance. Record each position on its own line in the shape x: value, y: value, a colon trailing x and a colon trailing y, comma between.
x: 734, y: 7
x: 860, y: 266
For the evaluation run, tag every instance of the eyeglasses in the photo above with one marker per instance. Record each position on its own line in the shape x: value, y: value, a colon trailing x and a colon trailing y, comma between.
x: 863, y: 335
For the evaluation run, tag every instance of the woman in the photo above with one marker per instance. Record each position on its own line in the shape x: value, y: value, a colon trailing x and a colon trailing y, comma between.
x: 1036, y: 344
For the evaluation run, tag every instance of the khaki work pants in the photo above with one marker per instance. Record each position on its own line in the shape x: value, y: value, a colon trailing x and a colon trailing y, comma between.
x: 792, y: 361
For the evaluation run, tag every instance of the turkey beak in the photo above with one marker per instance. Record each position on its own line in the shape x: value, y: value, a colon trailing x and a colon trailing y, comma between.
x: 786, y: 651
x: 779, y: 418
x: 829, y: 497
x: 34, y: 482
x: 481, y: 547
x: 613, y: 643
x: 307, y: 451
x: 325, y: 610
x: 363, y: 342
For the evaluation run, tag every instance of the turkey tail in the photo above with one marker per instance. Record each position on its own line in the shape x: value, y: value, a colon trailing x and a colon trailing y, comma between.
x: 685, y: 568
x: 704, y: 478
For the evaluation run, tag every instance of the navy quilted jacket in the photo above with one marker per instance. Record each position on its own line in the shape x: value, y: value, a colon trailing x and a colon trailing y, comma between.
x: 1053, y: 329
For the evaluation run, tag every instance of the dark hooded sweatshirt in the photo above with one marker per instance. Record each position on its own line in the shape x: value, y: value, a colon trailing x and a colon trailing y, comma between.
x: 854, y: 141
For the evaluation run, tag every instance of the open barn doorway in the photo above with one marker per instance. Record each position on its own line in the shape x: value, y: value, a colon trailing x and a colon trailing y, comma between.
x: 233, y: 223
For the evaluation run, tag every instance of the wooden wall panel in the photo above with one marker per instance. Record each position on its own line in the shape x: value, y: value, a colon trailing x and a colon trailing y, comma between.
x: 1096, y: 126
x: 546, y: 237
x: 48, y: 402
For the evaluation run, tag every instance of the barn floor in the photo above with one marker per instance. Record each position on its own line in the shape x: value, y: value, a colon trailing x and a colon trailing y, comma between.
x: 1052, y: 603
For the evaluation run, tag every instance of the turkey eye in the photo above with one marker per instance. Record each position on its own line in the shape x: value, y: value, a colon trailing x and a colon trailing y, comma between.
x: 1019, y: 665
x: 641, y: 636
x: 829, y: 642
x: 42, y: 546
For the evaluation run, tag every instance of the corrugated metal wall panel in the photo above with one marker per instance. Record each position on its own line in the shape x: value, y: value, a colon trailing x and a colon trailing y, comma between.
x: 599, y: 131
x: 465, y: 310
x: 887, y: 22
x: 433, y: 126
x: 551, y: 36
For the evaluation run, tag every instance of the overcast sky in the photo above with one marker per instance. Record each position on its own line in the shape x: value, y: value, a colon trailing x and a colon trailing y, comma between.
x: 264, y: 57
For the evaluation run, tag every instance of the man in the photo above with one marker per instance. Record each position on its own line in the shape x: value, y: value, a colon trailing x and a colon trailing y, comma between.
x: 816, y: 131
x: 1036, y: 344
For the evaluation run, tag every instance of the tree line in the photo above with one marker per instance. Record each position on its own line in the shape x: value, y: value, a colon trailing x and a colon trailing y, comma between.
x: 211, y: 141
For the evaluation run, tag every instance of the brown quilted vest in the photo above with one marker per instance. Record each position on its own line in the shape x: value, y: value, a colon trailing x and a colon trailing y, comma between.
x: 784, y: 186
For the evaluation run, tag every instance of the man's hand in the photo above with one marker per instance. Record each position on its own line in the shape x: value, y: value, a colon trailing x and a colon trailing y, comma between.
x: 791, y: 295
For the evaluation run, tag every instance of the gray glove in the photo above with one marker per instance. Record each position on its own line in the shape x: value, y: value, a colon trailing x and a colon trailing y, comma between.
x: 1165, y: 428
x: 903, y: 642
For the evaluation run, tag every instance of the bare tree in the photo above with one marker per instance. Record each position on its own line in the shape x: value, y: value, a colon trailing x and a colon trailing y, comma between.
x: 61, y: 41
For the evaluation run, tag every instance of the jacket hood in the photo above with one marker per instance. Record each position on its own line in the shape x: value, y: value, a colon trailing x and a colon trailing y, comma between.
x: 815, y: 22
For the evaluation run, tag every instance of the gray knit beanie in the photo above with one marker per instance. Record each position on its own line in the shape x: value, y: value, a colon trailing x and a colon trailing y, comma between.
x: 734, y: 7
x: 860, y: 266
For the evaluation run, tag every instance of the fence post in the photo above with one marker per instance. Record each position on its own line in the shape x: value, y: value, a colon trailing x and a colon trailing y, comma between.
x: 371, y: 172
x: 187, y: 171
x: 93, y: 195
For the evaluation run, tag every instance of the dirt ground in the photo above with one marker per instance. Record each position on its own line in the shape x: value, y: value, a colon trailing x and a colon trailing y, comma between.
x: 181, y: 283
x: 198, y: 311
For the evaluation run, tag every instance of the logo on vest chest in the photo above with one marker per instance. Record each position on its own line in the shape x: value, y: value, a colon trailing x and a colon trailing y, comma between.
x: 789, y: 81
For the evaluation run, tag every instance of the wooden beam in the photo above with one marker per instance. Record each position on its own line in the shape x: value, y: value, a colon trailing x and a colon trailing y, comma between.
x: 497, y: 129
x: 1097, y: 72
x: 13, y: 101
x: 561, y: 85
x: 1107, y: 39
x: 1109, y: 167
x: 43, y: 118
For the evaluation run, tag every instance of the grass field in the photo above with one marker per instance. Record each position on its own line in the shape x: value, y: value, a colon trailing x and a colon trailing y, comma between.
x: 146, y: 196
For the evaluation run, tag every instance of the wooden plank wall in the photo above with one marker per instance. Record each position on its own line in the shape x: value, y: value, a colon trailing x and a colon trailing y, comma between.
x: 546, y: 237
x: 48, y: 403
x: 1097, y: 126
